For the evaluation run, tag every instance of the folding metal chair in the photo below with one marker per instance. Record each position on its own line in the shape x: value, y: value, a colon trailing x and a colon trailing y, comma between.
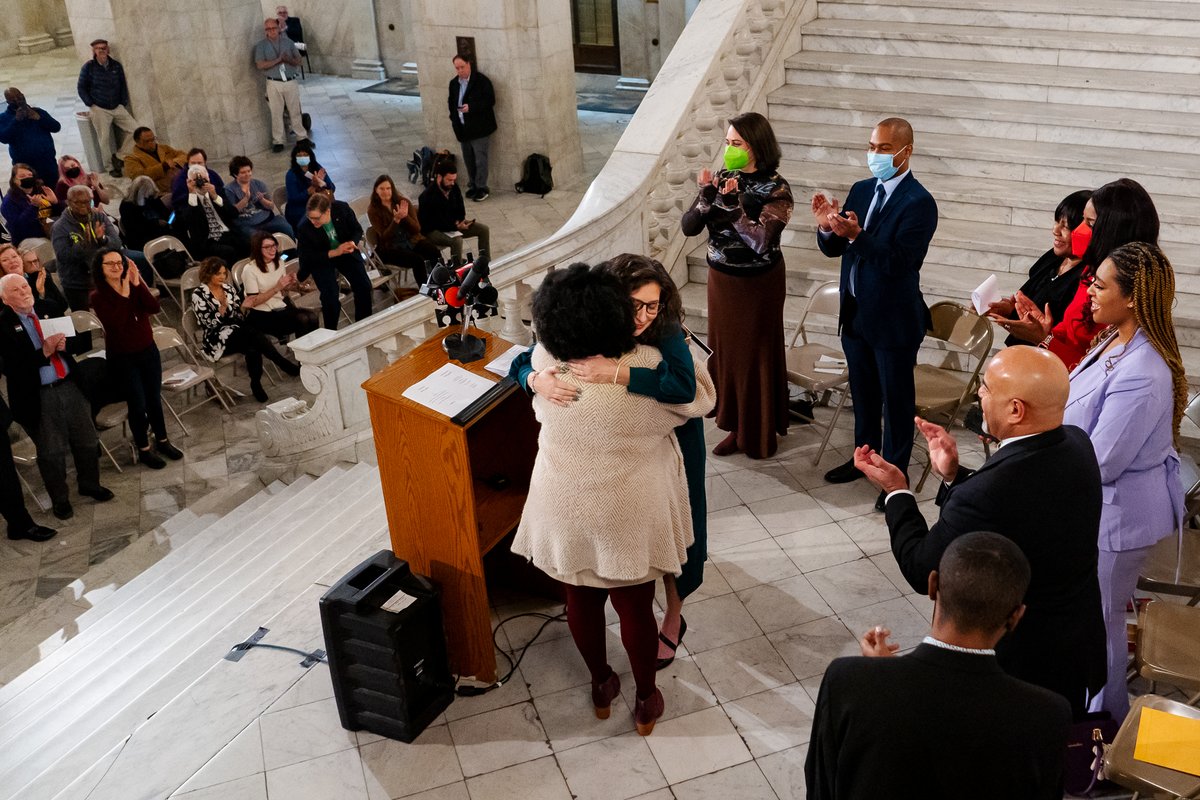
x: 160, y: 245
x: 1122, y: 767
x: 805, y: 367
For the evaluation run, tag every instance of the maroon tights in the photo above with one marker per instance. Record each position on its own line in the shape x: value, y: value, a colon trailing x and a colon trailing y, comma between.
x: 639, y: 630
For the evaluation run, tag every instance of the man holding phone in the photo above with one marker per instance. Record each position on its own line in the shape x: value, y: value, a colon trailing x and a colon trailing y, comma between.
x: 471, y: 101
x: 443, y: 215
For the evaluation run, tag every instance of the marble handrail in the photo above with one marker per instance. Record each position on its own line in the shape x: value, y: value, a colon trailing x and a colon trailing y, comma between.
x: 728, y: 57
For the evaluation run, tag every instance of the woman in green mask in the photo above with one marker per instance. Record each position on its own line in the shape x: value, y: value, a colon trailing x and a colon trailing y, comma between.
x: 745, y: 208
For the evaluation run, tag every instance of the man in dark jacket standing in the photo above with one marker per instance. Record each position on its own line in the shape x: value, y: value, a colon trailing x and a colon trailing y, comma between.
x: 26, y: 130
x: 471, y: 101
x: 103, y: 90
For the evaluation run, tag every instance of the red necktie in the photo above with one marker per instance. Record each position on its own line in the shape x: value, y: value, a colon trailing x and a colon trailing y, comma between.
x: 60, y: 368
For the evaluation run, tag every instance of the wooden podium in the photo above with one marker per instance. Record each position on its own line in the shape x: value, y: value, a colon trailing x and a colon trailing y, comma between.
x: 442, y: 489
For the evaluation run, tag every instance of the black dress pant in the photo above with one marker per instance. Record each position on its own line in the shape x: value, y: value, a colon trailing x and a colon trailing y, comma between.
x: 283, y: 322
x: 414, y: 256
x: 351, y: 266
x: 65, y: 424
x: 140, y: 377
x: 12, y: 503
x: 254, y: 345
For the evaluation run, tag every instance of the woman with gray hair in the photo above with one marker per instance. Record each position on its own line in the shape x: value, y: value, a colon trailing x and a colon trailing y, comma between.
x: 143, y: 215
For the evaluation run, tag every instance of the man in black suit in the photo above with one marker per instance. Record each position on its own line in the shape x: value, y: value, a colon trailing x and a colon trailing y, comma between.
x: 472, y: 101
x: 943, y: 721
x: 12, y: 504
x: 1041, y: 489
x: 882, y: 237
x: 45, y: 398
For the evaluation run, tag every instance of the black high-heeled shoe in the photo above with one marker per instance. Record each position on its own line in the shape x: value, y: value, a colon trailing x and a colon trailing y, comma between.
x: 663, y: 663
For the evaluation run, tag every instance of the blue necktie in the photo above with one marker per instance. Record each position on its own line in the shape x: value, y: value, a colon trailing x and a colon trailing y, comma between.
x: 872, y: 215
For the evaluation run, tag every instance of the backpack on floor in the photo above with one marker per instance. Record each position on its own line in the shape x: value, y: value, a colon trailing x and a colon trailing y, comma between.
x: 536, y: 177
x: 171, y: 263
x: 420, y: 168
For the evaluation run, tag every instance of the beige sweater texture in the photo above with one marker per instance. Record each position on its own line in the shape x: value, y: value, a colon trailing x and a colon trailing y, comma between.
x: 608, y: 503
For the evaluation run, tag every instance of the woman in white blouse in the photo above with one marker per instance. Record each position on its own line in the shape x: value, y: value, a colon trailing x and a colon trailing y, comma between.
x: 267, y: 284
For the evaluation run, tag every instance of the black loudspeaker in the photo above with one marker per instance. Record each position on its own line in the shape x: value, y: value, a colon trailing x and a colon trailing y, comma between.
x: 387, y: 649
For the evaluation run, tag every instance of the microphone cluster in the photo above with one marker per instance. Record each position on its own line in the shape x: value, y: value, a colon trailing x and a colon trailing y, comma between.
x: 456, y: 286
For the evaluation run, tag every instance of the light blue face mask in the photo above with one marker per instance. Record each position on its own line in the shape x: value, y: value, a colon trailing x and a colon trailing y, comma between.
x: 302, y: 161
x: 881, y: 165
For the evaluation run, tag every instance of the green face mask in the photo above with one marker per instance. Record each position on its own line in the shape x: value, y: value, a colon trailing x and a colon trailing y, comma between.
x: 736, y: 158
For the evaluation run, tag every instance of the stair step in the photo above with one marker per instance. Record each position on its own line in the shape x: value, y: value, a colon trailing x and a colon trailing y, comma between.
x: 152, y: 664
x: 1068, y: 85
x: 1101, y: 16
x: 1167, y: 131
x: 55, y: 620
x: 1018, y: 203
x: 1009, y: 45
x: 113, y: 609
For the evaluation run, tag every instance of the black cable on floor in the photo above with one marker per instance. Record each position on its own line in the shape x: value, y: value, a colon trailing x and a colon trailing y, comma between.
x: 316, y: 655
x: 475, y: 691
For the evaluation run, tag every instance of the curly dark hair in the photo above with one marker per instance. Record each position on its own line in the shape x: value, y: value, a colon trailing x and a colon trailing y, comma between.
x: 635, y: 271
x: 236, y: 163
x: 583, y: 311
x: 98, y: 264
x: 304, y: 146
x: 209, y: 267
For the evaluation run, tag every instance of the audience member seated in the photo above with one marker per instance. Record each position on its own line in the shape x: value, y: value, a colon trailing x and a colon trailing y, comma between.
x: 1053, y: 278
x: 251, y: 198
x: 156, y: 160
x: 206, y: 221
x: 12, y: 499
x: 304, y: 178
x: 144, y: 216
x: 77, y: 236
x: 266, y: 283
x: 30, y: 206
x: 1040, y: 488
x: 27, y: 132
x: 943, y: 722
x: 70, y: 173
x: 10, y: 260
x: 1117, y: 213
x: 607, y: 512
x: 397, y: 230
x: 46, y: 400
x: 444, y: 217
x: 1128, y: 395
x: 42, y: 283
x: 124, y: 306
x: 328, y: 242
x: 196, y: 157
x: 217, y: 303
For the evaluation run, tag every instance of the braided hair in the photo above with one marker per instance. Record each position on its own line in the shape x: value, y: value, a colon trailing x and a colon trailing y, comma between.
x: 1145, y: 275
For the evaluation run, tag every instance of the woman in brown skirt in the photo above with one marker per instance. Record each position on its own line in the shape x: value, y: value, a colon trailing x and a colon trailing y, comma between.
x: 745, y: 208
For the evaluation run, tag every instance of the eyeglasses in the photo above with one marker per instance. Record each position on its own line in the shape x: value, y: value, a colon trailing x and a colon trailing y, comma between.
x: 649, y: 308
x: 107, y: 263
x: 270, y: 244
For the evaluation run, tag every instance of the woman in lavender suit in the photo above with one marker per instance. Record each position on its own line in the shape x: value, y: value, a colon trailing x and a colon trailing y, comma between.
x: 1128, y: 395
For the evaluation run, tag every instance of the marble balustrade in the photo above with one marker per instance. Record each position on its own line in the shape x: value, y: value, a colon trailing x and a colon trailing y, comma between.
x: 726, y: 60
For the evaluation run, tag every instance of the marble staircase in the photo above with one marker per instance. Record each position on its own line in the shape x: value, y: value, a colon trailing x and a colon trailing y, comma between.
x: 1014, y: 108
x: 87, y: 702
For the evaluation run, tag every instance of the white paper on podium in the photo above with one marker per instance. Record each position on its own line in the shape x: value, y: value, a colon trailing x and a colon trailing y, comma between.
x: 985, y: 294
x: 55, y: 325
x: 448, y: 390
x: 501, y: 363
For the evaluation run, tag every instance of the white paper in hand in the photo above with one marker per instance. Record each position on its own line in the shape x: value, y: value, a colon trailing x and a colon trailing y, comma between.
x: 55, y: 325
x: 985, y: 294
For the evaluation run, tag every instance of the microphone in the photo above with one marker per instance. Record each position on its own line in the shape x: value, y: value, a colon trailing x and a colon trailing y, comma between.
x: 474, y: 279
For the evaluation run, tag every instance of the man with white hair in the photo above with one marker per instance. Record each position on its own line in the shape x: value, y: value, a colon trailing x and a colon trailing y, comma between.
x: 46, y: 400
x: 207, y: 221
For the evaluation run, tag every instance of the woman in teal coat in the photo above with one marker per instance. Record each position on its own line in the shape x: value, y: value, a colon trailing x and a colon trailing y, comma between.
x: 658, y: 321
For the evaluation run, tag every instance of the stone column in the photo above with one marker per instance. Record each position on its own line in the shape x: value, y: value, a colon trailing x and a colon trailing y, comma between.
x: 57, y: 23
x: 32, y: 35
x: 189, y: 67
x: 524, y: 47
x: 367, y: 63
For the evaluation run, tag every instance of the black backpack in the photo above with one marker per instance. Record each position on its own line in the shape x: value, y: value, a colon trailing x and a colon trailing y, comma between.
x: 171, y: 263
x: 536, y: 177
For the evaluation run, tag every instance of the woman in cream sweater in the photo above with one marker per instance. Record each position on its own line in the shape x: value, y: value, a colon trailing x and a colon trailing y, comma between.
x: 608, y: 511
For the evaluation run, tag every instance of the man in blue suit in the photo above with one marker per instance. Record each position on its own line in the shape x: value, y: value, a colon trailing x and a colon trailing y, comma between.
x: 882, y: 235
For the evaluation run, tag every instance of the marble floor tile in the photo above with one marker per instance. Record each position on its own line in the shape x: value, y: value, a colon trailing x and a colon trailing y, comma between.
x: 338, y: 776
x: 844, y: 500
x: 773, y: 720
x: 240, y: 759
x: 395, y: 769
x: 908, y: 626
x: 714, y: 585
x: 719, y: 494
x: 569, y: 718
x: 761, y: 482
x: 807, y: 649
x: 886, y: 564
x: 617, y: 768
x: 252, y: 787
x: 791, y: 512
x: 869, y: 532
x: 815, y: 548
x: 697, y: 744
x: 520, y: 630
x: 784, y: 604
x: 743, y: 668
x: 745, y: 782
x: 534, y: 780
x: 854, y: 585
x: 555, y: 665
x: 732, y: 527
x: 302, y: 733
x: 313, y: 685
x: 498, y: 739
x: 717, y: 622
x: 754, y: 563
x: 785, y: 771
x: 683, y: 687
x: 455, y: 791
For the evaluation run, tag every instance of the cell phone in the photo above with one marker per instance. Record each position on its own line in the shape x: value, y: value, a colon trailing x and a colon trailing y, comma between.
x: 283, y: 258
x: 973, y: 421
x: 171, y: 219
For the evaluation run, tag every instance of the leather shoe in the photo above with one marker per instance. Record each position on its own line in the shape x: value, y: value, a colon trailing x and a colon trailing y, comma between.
x: 99, y: 494
x: 36, y: 533
x: 63, y: 510
x: 151, y: 459
x: 646, y: 712
x: 879, y: 500
x: 844, y: 474
x: 168, y: 450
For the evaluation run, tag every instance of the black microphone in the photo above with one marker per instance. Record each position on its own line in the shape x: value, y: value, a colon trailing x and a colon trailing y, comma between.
x: 478, y: 274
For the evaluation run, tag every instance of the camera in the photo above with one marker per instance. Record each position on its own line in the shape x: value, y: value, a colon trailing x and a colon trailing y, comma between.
x: 200, y: 181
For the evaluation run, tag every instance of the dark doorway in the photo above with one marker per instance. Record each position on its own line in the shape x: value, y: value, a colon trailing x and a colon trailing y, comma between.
x: 594, y: 25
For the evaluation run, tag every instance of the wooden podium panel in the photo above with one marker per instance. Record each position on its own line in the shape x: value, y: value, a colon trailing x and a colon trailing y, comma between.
x: 441, y: 487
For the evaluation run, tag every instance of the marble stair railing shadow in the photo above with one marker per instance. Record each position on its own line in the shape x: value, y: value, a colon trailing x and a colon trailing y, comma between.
x: 729, y: 56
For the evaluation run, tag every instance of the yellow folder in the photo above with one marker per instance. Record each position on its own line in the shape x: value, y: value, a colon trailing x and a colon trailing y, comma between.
x: 1169, y: 741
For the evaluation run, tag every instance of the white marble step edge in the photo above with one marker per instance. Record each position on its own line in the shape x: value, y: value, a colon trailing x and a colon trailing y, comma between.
x: 141, y: 593
x: 108, y: 708
x: 177, y: 757
x: 155, y: 602
x: 55, y: 620
x: 1143, y: 17
x: 1121, y: 10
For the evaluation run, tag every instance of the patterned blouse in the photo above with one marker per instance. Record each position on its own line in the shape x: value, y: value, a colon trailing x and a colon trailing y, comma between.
x: 217, y: 327
x: 743, y: 230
